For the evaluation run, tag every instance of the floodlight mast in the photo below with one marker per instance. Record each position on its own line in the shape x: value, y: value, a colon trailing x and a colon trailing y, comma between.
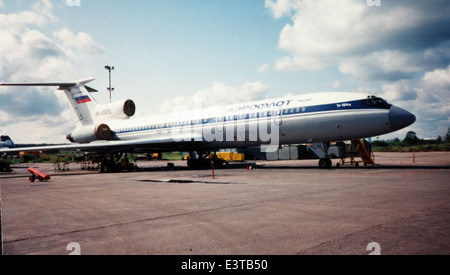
x: 110, y: 89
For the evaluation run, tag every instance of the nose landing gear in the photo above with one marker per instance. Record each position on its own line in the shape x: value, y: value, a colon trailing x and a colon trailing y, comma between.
x: 325, y: 163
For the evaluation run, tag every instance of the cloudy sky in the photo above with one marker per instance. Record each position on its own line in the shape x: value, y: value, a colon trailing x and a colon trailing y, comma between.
x: 166, y: 52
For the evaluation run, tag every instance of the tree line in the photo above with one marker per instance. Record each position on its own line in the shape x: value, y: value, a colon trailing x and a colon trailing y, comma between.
x: 411, y: 139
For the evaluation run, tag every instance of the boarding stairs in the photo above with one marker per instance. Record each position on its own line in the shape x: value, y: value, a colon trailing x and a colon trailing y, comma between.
x: 367, y: 157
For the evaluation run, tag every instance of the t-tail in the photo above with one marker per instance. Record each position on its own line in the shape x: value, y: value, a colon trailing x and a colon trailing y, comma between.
x: 90, y: 115
x: 78, y: 94
x: 82, y: 102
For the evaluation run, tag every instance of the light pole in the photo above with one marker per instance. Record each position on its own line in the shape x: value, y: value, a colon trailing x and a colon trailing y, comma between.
x: 110, y: 89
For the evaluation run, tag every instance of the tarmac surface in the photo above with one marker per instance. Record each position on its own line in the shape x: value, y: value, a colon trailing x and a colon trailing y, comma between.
x: 277, y: 208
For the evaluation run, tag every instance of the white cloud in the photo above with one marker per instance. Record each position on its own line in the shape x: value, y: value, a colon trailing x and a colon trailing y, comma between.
x: 439, y: 79
x: 28, y: 55
x: 76, y: 45
x: 394, y: 40
x: 218, y: 94
x: 263, y: 68
x: 399, y: 91
x: 393, y: 65
x: 40, y: 15
x: 427, y: 98
x: 386, y: 65
x: 434, y: 93
x: 280, y: 8
x: 431, y: 105
x: 38, y: 132
x: 336, y: 84
x: 319, y: 33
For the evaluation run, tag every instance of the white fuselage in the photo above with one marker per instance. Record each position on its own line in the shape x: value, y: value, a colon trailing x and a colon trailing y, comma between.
x: 308, y: 118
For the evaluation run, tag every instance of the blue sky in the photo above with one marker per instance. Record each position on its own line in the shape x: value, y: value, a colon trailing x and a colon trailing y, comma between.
x: 168, y: 51
x: 180, y: 47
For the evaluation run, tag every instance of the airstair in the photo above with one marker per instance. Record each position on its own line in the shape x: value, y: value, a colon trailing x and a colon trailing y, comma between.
x: 360, y: 149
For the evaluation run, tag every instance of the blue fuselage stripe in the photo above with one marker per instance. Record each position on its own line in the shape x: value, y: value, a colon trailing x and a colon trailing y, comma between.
x: 232, y: 117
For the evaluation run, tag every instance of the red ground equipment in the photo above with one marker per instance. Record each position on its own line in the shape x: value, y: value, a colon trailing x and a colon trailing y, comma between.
x: 36, y: 174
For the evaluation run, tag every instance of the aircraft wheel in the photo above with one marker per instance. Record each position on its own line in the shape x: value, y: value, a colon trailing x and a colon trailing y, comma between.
x: 325, y: 163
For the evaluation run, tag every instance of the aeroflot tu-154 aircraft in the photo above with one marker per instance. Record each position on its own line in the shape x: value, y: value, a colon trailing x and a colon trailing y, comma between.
x: 111, y: 129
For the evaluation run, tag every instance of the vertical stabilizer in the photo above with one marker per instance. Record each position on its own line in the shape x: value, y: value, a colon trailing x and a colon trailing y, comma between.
x: 81, y: 101
x: 78, y: 94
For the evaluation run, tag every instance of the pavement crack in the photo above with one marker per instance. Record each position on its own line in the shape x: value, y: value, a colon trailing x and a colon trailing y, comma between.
x: 122, y: 223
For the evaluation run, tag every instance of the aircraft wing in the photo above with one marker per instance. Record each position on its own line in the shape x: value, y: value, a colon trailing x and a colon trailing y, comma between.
x: 138, y: 145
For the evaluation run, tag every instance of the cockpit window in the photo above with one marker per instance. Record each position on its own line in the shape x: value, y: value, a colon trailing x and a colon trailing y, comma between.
x: 4, y: 138
x: 377, y: 102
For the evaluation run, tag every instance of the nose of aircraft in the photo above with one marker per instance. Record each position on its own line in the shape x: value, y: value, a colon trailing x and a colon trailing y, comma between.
x: 400, y: 118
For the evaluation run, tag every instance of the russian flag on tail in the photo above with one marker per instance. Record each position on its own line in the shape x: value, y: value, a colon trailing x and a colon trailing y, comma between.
x: 83, y: 99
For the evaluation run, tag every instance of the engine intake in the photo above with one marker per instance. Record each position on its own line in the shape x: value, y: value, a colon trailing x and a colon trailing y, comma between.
x: 116, y: 110
x: 129, y: 108
x: 87, y: 134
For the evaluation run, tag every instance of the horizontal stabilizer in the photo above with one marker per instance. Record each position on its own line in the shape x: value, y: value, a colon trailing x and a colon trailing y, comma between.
x: 66, y: 85
x: 61, y: 85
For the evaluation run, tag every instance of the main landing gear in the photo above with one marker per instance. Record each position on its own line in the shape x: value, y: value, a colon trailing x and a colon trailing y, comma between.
x: 325, y: 163
x: 115, y: 163
x: 204, y: 160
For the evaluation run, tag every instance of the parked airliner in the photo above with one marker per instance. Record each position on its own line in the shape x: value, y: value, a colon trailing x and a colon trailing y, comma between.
x: 308, y: 118
x: 6, y: 142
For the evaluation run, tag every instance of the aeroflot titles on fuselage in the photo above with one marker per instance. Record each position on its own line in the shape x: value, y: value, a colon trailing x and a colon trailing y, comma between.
x: 261, y: 106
